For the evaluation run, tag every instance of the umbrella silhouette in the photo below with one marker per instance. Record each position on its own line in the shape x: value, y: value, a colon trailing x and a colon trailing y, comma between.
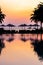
x: 35, y: 25
x: 2, y: 25
x: 23, y: 25
x: 10, y: 25
x: 30, y: 25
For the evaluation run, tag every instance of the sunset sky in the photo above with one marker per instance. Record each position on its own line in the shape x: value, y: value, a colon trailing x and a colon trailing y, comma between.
x: 18, y: 11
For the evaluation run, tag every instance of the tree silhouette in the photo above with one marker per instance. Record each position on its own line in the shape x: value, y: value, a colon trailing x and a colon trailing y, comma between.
x: 37, y: 15
x: 2, y: 16
x: 38, y: 48
x: 2, y: 45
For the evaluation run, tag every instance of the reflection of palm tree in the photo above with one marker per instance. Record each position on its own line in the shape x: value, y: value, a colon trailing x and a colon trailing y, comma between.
x: 38, y: 15
x: 2, y: 16
x: 1, y: 45
x: 38, y: 48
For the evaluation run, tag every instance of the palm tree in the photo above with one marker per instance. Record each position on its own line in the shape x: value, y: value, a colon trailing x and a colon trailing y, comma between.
x: 2, y: 16
x: 37, y: 15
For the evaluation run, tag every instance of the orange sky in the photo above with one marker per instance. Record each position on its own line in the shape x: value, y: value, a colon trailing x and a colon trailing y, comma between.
x: 18, y: 11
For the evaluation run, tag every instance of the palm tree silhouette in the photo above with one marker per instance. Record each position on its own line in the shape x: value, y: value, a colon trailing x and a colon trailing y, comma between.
x: 2, y: 16
x: 2, y: 45
x: 38, y: 48
x: 37, y: 15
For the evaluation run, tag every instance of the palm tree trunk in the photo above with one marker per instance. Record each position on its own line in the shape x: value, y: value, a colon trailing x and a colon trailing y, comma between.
x: 41, y: 31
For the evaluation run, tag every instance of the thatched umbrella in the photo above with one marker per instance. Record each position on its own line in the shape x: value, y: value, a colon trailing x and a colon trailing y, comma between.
x: 35, y: 25
x: 10, y: 25
x: 23, y: 26
x: 2, y: 25
x: 30, y: 26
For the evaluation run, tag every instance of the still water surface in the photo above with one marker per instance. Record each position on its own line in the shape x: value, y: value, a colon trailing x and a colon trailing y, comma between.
x: 17, y: 49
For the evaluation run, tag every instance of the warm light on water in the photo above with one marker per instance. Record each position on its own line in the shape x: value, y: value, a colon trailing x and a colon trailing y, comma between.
x: 18, y: 51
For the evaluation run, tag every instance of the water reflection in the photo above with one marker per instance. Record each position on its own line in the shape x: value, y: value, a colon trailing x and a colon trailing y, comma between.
x: 7, y: 37
x: 17, y: 44
x: 11, y: 37
x: 38, y: 48
x: 23, y: 37
x: 26, y: 37
x: 2, y: 45
x: 36, y: 42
